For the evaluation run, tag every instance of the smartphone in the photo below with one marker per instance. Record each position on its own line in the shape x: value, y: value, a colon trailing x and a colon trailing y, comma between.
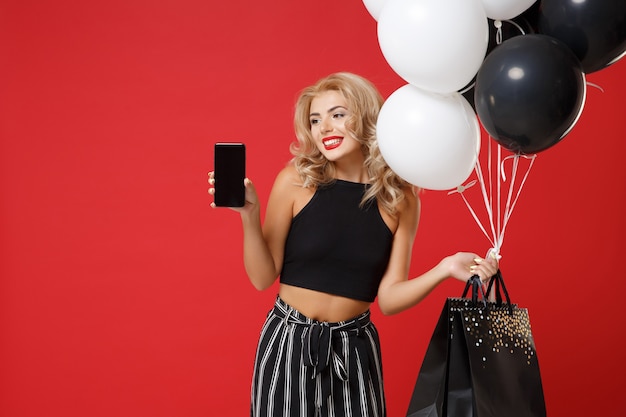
x: 230, y: 172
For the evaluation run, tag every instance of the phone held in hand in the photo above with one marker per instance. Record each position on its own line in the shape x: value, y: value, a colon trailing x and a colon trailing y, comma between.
x: 229, y: 174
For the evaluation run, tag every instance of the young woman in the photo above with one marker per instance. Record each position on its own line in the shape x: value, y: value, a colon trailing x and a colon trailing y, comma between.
x: 338, y: 231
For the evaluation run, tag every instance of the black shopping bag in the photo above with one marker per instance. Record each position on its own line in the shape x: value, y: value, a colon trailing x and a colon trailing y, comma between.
x: 481, y: 360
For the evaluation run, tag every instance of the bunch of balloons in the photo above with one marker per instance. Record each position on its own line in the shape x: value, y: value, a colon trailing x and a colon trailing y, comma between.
x: 515, y: 66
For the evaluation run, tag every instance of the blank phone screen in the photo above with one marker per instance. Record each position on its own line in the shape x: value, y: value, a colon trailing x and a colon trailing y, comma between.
x: 230, y: 171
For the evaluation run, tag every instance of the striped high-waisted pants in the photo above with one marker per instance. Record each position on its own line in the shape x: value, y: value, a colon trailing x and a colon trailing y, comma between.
x: 307, y: 368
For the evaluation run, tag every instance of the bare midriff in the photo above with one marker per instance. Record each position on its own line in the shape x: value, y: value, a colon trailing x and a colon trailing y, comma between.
x: 321, y: 306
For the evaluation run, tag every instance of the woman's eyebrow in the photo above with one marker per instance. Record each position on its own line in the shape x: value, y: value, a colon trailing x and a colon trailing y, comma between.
x: 332, y: 109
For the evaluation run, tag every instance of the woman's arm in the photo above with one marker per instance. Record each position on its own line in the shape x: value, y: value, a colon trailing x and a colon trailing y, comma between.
x: 398, y: 293
x: 263, y: 245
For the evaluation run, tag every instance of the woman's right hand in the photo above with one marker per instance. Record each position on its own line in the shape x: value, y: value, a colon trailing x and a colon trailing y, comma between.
x: 252, y: 199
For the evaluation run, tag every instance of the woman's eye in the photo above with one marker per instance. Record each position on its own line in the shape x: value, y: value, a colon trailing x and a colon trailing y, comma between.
x: 314, y: 121
x: 338, y: 115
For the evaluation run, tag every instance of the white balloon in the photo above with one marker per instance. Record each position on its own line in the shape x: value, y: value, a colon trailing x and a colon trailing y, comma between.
x: 374, y: 7
x: 433, y: 44
x: 506, y: 9
x: 430, y: 140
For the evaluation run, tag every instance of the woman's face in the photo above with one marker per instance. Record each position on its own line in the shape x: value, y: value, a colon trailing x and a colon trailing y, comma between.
x: 327, y: 117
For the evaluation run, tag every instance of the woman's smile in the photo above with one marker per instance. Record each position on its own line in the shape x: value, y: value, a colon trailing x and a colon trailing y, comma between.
x: 332, y: 142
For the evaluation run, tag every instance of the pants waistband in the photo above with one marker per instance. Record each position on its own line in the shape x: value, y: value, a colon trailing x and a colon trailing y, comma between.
x: 287, y: 312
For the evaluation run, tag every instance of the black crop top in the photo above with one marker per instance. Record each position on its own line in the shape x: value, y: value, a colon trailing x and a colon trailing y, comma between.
x: 336, y: 247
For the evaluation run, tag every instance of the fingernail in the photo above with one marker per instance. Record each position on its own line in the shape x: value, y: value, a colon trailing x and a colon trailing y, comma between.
x: 478, y: 260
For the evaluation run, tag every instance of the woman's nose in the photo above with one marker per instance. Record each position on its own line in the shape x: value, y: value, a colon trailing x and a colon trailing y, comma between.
x: 325, y: 126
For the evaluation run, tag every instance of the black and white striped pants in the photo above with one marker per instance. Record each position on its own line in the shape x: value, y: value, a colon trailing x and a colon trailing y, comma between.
x: 307, y: 368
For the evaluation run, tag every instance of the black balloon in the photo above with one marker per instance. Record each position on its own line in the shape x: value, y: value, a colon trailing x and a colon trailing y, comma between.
x: 595, y: 30
x: 508, y: 28
x: 529, y: 93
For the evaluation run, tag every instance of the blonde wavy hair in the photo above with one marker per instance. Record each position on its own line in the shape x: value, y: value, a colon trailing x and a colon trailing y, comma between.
x: 364, y: 102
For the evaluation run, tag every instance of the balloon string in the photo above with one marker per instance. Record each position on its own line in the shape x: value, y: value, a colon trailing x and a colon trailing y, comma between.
x: 460, y: 189
x: 596, y: 86
x: 484, y: 194
x: 498, y: 25
x: 486, y: 189
x: 481, y: 180
x: 499, y: 192
x: 497, y: 223
x: 514, y: 23
x: 512, y: 202
x: 488, y: 197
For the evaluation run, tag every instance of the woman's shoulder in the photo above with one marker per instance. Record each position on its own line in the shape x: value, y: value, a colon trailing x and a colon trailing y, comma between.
x: 406, y: 211
x: 288, y: 177
x: 411, y: 201
x: 288, y: 182
x: 289, y: 189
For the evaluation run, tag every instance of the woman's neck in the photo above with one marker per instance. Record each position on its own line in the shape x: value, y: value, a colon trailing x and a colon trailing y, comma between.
x: 353, y: 171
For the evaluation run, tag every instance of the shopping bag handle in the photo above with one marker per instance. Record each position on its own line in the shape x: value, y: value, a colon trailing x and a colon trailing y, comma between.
x: 499, y: 288
x: 477, y: 287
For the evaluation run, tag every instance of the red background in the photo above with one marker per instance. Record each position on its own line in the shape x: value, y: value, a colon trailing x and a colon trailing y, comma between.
x: 123, y: 294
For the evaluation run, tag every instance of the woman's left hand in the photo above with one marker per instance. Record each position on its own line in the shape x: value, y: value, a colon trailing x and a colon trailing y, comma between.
x: 463, y: 265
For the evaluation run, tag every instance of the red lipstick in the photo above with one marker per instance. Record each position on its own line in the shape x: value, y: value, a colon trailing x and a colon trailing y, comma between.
x: 331, y: 142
